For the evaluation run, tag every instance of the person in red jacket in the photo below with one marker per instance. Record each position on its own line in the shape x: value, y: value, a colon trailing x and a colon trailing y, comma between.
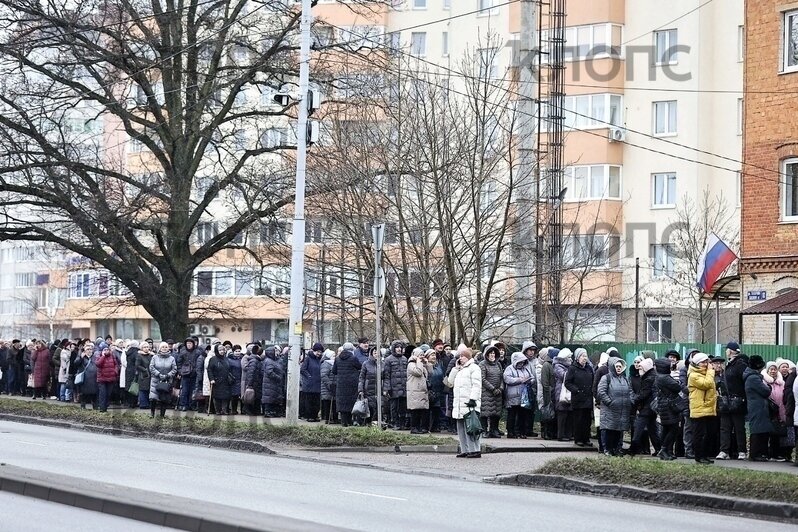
x: 107, y: 376
x: 40, y: 360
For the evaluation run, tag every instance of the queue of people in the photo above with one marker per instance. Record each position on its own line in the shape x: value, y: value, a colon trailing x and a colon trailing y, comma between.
x: 705, y: 407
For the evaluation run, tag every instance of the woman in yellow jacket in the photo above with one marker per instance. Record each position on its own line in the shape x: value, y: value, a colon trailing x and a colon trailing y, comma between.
x: 703, y: 403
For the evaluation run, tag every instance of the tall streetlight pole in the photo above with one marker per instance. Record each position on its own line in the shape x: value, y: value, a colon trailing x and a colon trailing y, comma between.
x: 378, y: 234
x: 295, y: 336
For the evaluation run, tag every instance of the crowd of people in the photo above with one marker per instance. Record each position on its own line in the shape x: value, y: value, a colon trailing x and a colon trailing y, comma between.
x: 732, y: 407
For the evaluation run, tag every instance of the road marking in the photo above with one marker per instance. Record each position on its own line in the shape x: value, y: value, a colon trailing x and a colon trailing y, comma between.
x: 171, y: 464
x: 32, y: 443
x: 373, y: 495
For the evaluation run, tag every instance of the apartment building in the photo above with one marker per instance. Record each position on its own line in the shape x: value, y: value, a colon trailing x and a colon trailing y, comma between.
x: 653, y: 116
x: 769, y: 252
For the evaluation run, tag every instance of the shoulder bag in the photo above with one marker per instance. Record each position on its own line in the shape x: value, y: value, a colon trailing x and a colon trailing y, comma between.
x: 473, y: 426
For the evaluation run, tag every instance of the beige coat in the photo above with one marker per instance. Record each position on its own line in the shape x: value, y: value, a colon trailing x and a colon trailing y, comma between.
x: 417, y: 396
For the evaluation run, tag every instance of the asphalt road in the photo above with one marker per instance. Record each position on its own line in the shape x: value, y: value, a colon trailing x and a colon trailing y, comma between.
x: 352, y: 497
x: 35, y: 515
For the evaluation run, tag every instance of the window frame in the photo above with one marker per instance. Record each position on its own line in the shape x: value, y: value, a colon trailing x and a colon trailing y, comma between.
x: 785, y: 319
x: 667, y: 261
x: 660, y: 319
x: 423, y: 52
x: 672, y: 56
x: 671, y: 130
x: 569, y: 175
x: 789, y: 218
x: 786, y: 68
x: 416, y: 4
x: 666, y: 178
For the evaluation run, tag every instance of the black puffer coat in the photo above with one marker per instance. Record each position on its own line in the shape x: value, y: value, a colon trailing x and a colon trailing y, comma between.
x: 734, y: 374
x: 252, y: 374
x: 396, y: 376
x: 579, y: 381
x: 89, y: 369
x: 130, y: 369
x: 347, y: 371
x: 273, y: 379
x: 143, y: 371
x: 234, y: 360
x: 647, y: 393
x: 757, y: 393
x: 668, y: 390
x: 221, y: 377
x: 492, y: 379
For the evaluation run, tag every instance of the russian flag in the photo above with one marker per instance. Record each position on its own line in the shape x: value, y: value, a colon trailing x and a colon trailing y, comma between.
x: 713, y: 262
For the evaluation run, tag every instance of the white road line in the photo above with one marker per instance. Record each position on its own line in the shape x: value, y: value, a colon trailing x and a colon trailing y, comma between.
x: 32, y: 443
x: 373, y: 495
x: 171, y: 464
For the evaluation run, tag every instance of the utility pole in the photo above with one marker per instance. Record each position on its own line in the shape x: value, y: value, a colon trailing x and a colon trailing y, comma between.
x: 637, y: 299
x: 295, y: 336
x: 528, y: 61
x: 378, y: 234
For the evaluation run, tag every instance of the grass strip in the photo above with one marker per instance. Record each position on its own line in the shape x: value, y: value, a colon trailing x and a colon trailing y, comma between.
x: 659, y: 475
x: 219, y: 427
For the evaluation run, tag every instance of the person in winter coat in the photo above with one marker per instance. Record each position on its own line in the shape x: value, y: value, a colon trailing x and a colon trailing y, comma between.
x: 40, y: 360
x: 328, y: 411
x: 732, y: 424
x: 646, y: 419
x: 311, y: 379
x: 492, y: 389
x: 615, y: 395
x: 579, y: 381
x: 186, y: 372
x: 163, y: 372
x: 220, y: 379
x: 395, y: 375
x: 107, y: 376
x: 520, y: 385
x: 234, y: 360
x: 367, y: 387
x: 201, y: 378
x: 530, y: 351
x: 273, y: 382
x: 131, y: 354
x: 757, y: 395
x: 703, y: 403
x: 418, y: 370
x: 64, y: 392
x: 437, y: 391
x: 465, y: 380
x: 347, y: 371
x: 668, y: 407
x: 548, y: 425
x: 143, y: 374
x: 88, y: 388
x: 561, y: 363
x: 779, y: 446
x: 252, y: 379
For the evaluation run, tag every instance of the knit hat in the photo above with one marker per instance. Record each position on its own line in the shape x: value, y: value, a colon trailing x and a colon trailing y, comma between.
x: 646, y: 364
x: 462, y: 348
x: 699, y: 358
x: 579, y: 352
x: 348, y: 346
x: 756, y: 363
x: 318, y: 347
x: 437, y: 342
x: 424, y: 347
x: 565, y: 353
x: 603, y: 358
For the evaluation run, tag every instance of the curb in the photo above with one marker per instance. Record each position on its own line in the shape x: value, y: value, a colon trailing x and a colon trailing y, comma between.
x: 441, y: 449
x: 203, y: 441
x: 779, y: 511
x: 138, y: 504
x: 536, y: 449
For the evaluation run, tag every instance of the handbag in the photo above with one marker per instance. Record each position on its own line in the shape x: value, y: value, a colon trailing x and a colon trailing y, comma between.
x: 473, y: 426
x: 163, y: 386
x: 30, y: 381
x: 525, y: 401
x: 565, y: 395
x: 249, y: 396
x: 547, y: 412
x: 81, y: 376
x: 729, y: 404
x: 361, y: 408
x: 680, y: 405
x: 134, y: 387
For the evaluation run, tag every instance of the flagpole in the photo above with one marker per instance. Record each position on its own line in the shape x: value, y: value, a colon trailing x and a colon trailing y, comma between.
x: 717, y: 314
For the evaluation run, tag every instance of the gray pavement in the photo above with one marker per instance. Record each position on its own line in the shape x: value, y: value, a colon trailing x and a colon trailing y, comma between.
x: 35, y: 515
x: 359, y: 498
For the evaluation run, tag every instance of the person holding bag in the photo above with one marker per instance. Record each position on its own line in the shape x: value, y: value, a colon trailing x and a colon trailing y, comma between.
x: 163, y: 369
x: 518, y: 378
x: 615, y: 395
x: 86, y: 377
x: 107, y: 376
x: 465, y: 379
x: 562, y: 362
x: 492, y: 388
x: 579, y: 382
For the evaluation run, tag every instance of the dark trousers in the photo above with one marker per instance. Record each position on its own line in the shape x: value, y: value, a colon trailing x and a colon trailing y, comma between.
x: 490, y: 424
x: 11, y: 380
x: 328, y: 411
x: 759, y: 445
x: 516, y: 421
x: 669, y: 435
x: 88, y: 398
x: 302, y: 406
x: 312, y: 403
x: 105, y: 389
x: 235, y: 401
x: 40, y: 391
x: 160, y: 405
x: 732, y: 426
x: 645, y: 427
x: 346, y: 418
x: 700, y: 434
x: 435, y: 419
x: 398, y: 411
x: 186, y: 391
x: 564, y: 428
x: 220, y: 406
x: 613, y: 441
x: 419, y: 420
x: 581, y: 419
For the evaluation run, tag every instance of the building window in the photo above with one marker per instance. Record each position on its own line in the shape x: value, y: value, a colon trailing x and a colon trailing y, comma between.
x: 665, y: 47
x: 662, y: 257
x: 418, y: 43
x: 740, y: 115
x: 419, y: 4
x: 740, y: 43
x: 788, y: 329
x: 243, y: 280
x: 663, y: 190
x: 274, y: 137
x: 445, y: 44
x: 447, y: 4
x: 591, y: 251
x: 485, y: 7
x: 790, y: 43
x: 589, y: 111
x: 206, y: 231
x: 790, y: 190
x: 80, y: 285
x: 487, y: 64
x: 593, y: 182
x: 204, y: 283
x: 665, y: 118
x: 587, y: 42
x: 659, y: 329
x: 25, y: 280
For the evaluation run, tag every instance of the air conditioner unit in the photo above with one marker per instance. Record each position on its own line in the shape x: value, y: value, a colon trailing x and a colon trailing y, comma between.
x: 193, y: 330
x: 617, y: 134
x: 205, y: 330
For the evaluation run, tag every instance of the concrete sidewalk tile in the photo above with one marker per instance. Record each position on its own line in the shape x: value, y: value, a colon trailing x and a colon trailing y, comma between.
x: 62, y: 496
x: 36, y: 491
x: 137, y: 512
x: 12, y: 485
x: 88, y: 502
x: 182, y: 521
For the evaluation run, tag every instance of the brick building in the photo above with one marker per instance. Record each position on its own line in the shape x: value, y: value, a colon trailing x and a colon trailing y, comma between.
x: 769, y: 236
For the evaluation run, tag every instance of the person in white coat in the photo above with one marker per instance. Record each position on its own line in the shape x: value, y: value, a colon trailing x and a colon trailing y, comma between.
x: 64, y: 392
x: 466, y: 381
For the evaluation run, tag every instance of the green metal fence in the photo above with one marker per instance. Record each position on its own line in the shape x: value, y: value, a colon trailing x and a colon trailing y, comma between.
x: 630, y: 351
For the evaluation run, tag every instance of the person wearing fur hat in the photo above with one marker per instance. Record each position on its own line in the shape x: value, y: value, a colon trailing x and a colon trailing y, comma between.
x: 561, y: 363
x: 311, y: 377
x: 757, y: 393
x: 579, y: 381
x: 779, y: 446
x: 703, y: 403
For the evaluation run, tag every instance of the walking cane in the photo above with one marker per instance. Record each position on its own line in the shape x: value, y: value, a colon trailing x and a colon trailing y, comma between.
x: 210, y: 398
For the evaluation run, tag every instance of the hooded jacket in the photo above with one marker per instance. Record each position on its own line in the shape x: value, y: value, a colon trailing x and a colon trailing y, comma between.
x: 668, y: 391
x: 41, y: 366
x: 417, y: 392
x: 614, y: 394
x: 347, y: 371
x: 234, y: 360
x: 648, y: 388
x: 327, y: 378
x: 703, y: 392
x: 579, y: 381
x: 757, y: 393
x: 517, y: 376
x: 107, y: 369
x: 272, y: 375
x: 162, y: 368
x: 220, y: 375
x: 492, y: 380
x: 561, y: 364
x: 395, y: 375
x: 311, y: 373
x: 466, y: 384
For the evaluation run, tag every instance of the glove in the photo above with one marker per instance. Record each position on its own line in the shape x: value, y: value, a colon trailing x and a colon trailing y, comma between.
x: 471, y: 404
x: 497, y: 391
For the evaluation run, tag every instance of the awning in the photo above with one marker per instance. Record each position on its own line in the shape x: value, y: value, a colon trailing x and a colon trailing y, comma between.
x: 786, y: 303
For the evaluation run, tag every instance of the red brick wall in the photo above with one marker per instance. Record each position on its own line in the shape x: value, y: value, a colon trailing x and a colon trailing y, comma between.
x: 770, y: 134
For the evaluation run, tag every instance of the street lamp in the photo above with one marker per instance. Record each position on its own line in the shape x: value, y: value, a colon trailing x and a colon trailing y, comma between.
x: 378, y: 235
